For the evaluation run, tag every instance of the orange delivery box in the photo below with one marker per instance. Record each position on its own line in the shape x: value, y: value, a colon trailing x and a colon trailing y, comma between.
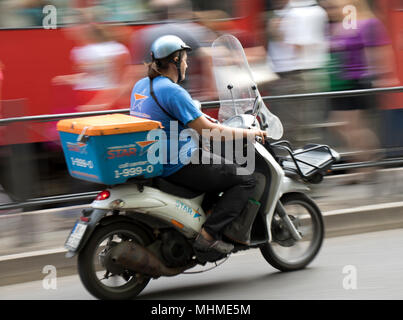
x: 111, y: 149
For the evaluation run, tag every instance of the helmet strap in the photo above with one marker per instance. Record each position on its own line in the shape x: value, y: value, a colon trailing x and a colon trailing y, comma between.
x: 178, y: 67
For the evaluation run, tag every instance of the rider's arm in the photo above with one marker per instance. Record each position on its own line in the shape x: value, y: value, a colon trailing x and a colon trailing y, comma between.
x: 202, y: 123
x: 191, y: 116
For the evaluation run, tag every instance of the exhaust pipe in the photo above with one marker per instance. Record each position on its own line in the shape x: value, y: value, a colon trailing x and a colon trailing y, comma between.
x: 134, y: 257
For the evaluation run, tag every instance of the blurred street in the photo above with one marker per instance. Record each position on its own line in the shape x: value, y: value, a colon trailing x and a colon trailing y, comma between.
x: 375, y: 256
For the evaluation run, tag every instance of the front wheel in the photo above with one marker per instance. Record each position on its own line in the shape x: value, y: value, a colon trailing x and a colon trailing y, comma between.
x: 103, y: 283
x: 283, y: 252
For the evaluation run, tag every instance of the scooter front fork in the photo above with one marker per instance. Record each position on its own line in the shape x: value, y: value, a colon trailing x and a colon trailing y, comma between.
x: 287, y: 221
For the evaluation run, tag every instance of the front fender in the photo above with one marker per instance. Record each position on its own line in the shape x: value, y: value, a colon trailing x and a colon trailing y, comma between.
x: 289, y: 185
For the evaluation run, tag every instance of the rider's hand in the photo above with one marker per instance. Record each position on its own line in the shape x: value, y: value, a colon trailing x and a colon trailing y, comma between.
x: 260, y: 135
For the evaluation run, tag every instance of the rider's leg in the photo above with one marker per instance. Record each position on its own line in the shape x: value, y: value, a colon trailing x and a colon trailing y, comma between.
x: 218, y: 178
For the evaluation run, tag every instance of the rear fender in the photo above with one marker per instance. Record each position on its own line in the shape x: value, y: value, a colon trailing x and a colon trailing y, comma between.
x: 99, y: 217
x: 95, y: 216
x: 119, y: 218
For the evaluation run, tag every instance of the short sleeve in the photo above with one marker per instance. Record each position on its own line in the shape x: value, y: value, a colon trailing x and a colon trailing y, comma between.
x: 305, y: 27
x: 82, y: 54
x: 374, y: 34
x: 181, y: 105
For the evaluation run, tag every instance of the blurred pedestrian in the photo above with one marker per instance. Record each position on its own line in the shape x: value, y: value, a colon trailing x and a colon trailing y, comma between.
x: 360, y: 59
x: 101, y: 64
x: 219, y: 22
x: 297, y: 50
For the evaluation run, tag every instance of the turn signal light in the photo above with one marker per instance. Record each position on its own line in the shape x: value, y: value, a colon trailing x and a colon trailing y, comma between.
x: 103, y: 195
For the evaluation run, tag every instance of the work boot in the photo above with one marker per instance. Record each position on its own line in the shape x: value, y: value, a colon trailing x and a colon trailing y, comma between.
x: 202, y: 244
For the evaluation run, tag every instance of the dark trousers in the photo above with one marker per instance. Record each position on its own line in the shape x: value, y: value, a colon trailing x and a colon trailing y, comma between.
x: 217, y: 178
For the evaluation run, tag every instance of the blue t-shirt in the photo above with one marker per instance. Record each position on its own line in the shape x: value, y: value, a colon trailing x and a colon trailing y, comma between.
x: 179, y: 144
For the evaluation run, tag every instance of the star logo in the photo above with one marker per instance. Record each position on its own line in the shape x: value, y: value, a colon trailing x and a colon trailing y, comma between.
x: 139, y: 96
x: 197, y: 214
x: 139, y: 100
x: 145, y: 145
x: 77, y: 147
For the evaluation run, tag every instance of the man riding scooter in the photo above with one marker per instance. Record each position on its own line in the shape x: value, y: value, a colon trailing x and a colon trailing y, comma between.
x: 160, y: 97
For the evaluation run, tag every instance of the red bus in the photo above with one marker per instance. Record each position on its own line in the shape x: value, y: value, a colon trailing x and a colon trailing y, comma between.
x: 30, y: 165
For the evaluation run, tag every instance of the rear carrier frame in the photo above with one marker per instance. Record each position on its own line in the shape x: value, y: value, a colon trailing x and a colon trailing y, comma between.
x: 310, y: 163
x: 111, y: 149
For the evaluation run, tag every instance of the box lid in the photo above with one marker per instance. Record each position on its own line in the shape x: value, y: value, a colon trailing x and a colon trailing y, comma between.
x: 107, y: 125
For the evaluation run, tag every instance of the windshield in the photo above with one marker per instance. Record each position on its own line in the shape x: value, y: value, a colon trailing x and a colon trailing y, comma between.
x: 236, y: 88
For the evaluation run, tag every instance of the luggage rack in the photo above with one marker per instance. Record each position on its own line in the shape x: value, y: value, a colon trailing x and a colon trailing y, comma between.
x: 310, y: 163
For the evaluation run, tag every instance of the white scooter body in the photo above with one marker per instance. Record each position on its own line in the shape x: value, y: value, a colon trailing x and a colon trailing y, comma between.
x: 187, y: 215
x: 175, y: 210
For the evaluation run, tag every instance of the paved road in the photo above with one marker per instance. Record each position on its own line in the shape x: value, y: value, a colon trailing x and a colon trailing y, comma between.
x: 372, y: 263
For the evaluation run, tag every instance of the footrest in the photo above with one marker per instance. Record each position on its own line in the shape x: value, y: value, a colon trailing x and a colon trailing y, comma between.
x: 209, y: 256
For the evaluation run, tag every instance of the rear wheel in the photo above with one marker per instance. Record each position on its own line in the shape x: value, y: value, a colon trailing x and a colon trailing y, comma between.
x: 99, y: 281
x: 286, y: 254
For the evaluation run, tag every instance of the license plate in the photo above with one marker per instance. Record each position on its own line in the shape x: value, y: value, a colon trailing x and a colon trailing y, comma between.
x: 74, y: 239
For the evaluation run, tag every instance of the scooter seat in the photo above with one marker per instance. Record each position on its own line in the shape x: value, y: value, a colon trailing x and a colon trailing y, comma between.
x: 175, y: 189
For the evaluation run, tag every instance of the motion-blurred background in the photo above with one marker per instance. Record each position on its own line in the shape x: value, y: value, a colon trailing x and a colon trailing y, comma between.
x: 66, y: 56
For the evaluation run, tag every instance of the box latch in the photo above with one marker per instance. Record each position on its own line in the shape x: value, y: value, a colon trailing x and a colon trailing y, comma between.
x: 82, y: 137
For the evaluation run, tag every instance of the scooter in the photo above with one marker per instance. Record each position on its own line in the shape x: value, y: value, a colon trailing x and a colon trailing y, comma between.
x: 144, y: 229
